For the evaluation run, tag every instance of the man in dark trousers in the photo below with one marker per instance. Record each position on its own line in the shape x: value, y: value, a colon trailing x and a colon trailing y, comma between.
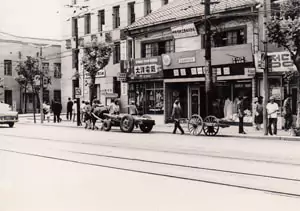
x: 241, y: 113
x: 56, y: 108
x: 176, y: 115
x: 69, y: 109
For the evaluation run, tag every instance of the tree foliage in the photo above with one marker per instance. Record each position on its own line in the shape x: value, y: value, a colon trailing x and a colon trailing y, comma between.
x: 284, y: 29
x: 95, y: 57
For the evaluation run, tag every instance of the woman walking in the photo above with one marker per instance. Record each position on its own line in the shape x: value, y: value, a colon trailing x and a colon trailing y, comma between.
x: 259, y: 113
x: 176, y: 115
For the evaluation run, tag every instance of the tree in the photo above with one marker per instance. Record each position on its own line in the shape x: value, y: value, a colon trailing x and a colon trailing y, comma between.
x: 284, y: 30
x: 29, y: 73
x: 95, y: 57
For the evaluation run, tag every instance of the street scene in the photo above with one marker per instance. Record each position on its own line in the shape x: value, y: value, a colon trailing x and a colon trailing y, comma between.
x: 150, y: 105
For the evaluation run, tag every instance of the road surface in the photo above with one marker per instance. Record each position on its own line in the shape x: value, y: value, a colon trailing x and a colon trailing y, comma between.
x: 60, y: 168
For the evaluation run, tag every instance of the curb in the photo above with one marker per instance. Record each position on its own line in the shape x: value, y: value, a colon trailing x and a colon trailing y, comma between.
x: 279, y: 138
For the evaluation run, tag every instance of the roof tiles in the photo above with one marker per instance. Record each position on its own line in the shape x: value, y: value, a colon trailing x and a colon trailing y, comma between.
x: 184, y: 9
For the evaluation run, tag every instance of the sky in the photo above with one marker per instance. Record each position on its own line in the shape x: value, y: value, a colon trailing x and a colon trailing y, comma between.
x: 31, y: 18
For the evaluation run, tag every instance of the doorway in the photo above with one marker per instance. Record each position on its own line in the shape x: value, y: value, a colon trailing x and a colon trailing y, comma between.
x: 195, y: 101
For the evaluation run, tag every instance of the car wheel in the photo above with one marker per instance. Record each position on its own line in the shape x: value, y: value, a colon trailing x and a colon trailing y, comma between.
x: 146, y: 128
x: 11, y: 124
x: 127, y: 124
x: 107, y: 125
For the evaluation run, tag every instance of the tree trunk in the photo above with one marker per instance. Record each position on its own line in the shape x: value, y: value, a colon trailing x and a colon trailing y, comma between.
x: 34, y: 104
x: 25, y: 99
x: 93, y: 93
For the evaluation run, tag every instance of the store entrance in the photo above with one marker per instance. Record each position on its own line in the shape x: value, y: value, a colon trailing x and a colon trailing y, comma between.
x: 195, y: 100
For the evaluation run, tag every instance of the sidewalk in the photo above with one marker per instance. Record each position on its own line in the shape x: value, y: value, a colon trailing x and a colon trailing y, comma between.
x: 231, y: 131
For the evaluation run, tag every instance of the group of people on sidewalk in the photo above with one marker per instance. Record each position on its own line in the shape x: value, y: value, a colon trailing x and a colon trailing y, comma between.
x: 55, y: 107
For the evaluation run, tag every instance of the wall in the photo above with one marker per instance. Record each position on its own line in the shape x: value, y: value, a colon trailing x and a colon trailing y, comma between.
x: 10, y: 49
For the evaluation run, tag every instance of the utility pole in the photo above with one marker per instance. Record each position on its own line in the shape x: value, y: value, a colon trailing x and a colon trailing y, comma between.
x: 41, y: 84
x: 77, y: 70
x: 209, y: 81
x: 266, y: 69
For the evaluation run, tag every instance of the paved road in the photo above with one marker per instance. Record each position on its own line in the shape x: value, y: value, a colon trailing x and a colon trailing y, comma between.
x: 52, y: 168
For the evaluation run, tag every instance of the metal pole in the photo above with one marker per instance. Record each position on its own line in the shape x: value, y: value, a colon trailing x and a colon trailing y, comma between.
x: 265, y: 74
x: 41, y: 85
x: 208, y: 79
x: 77, y: 70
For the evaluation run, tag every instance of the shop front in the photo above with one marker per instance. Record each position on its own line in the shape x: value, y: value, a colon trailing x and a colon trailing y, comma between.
x: 184, y: 78
x: 145, y: 85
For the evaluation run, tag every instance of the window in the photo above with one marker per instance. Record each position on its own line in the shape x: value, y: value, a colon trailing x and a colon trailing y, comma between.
x: 87, y: 24
x: 45, y: 68
x: 74, y: 26
x: 164, y: 2
x: 74, y: 59
x: 117, y: 53
x: 157, y: 48
x: 57, y: 95
x: 101, y: 20
x: 130, y: 45
x: 227, y: 38
x: 8, y: 67
x: 57, y: 70
x: 131, y: 13
x: 147, y: 4
x: 74, y: 2
x: 116, y: 17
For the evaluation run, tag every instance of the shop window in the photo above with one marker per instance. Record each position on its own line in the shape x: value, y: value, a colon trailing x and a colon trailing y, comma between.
x: 157, y: 48
x: 227, y: 38
x: 57, y: 95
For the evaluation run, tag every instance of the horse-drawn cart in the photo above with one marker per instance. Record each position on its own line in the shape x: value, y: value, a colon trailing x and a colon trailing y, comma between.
x: 210, y: 125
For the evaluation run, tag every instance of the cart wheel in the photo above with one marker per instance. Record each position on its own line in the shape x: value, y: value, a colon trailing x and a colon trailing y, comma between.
x: 127, y: 124
x: 106, y: 125
x: 195, y: 125
x: 211, y: 126
x: 146, y: 128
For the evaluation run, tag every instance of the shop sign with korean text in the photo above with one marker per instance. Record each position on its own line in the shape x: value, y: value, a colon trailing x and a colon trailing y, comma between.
x: 147, y: 68
x: 187, y: 30
x: 281, y: 62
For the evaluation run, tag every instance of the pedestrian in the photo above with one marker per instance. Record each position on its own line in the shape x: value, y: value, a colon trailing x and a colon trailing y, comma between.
x: 47, y: 111
x: 74, y: 110
x: 114, y: 107
x: 255, y: 103
x: 287, y: 113
x: 241, y: 114
x: 272, y: 110
x: 82, y: 109
x: 176, y: 115
x: 259, y: 113
x: 133, y: 109
x: 56, y: 108
x: 69, y: 109
x: 88, y: 113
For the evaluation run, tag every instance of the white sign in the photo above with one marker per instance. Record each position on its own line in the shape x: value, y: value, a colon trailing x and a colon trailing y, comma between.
x: 123, y: 49
x: 100, y: 74
x: 166, y: 59
x: 187, y: 60
x: 187, y: 30
x: 145, y: 69
x: 124, y: 88
x: 77, y: 92
x: 281, y: 62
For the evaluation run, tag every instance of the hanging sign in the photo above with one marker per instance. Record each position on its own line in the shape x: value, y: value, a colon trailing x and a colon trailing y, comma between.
x: 187, y: 30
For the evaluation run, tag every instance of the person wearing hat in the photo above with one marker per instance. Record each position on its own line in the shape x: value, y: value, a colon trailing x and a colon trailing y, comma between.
x: 272, y: 111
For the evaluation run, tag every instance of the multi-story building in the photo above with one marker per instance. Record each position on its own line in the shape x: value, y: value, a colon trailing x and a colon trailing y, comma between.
x: 102, y: 20
x: 15, y: 49
x: 169, y: 49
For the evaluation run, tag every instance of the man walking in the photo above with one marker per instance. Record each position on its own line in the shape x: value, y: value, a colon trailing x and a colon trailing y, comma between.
x: 241, y: 113
x: 56, y: 108
x: 287, y: 113
x: 176, y: 115
x: 69, y: 109
x: 272, y: 110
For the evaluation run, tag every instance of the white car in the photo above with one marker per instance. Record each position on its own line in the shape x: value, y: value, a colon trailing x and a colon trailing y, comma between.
x: 7, y: 116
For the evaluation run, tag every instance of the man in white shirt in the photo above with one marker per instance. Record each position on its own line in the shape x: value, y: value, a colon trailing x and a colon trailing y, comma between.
x: 272, y: 109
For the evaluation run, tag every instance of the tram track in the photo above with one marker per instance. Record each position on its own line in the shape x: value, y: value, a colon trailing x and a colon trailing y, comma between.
x: 170, y: 175
x: 198, y: 153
